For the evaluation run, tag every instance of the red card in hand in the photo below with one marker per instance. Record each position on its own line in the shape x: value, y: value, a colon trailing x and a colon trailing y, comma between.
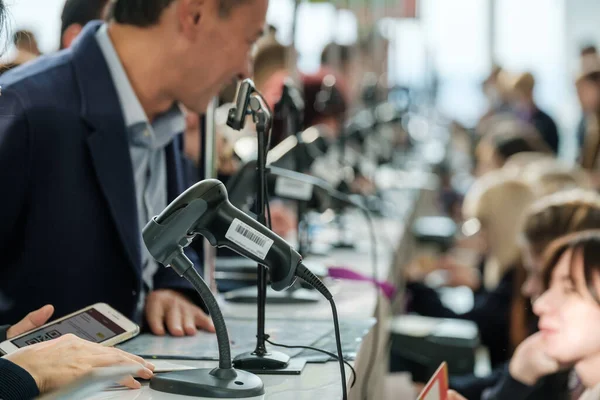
x: 437, y: 387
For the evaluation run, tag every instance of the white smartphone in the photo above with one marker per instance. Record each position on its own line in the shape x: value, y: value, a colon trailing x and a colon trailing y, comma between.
x: 99, y: 323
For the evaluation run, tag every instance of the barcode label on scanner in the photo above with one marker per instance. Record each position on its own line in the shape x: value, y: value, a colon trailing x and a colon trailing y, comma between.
x: 249, y: 239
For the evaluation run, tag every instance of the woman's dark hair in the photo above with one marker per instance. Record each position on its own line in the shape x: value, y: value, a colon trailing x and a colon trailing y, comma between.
x: 560, y: 214
x: 508, y: 146
x: 585, y: 243
x: 81, y: 12
x: 508, y: 136
x: 589, y: 49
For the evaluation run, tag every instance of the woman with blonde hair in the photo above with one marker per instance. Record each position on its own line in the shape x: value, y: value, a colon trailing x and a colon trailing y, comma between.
x: 499, y: 202
x: 548, y: 176
x: 517, y: 162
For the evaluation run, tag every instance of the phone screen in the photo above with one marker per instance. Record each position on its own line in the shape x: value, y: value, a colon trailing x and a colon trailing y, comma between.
x: 90, y: 325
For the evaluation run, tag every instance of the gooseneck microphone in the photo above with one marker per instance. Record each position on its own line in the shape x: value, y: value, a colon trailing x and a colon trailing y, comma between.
x: 250, y: 102
x: 204, y: 209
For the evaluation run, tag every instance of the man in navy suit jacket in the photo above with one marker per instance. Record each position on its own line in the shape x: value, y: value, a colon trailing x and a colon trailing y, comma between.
x: 75, y: 188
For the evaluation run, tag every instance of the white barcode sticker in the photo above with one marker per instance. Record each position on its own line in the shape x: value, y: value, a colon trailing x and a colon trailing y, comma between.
x: 249, y: 238
x: 293, y: 189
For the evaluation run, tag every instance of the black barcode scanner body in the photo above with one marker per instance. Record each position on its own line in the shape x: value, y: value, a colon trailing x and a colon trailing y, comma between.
x: 205, y: 209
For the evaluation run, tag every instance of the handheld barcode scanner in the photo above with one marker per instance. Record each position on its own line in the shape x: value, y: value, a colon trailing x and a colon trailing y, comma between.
x: 205, y: 209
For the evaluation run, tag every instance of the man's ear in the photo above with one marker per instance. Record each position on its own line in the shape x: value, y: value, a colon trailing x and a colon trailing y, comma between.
x: 69, y: 35
x: 190, y: 14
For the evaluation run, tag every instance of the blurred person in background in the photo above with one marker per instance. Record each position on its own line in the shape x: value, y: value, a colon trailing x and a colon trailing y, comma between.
x: 588, y: 56
x: 270, y: 59
x: 495, y: 93
x: 76, y: 14
x: 27, y: 47
x: 27, y: 50
x: 495, y: 90
x: 506, y: 138
x: 499, y: 202
x: 588, y: 135
x: 325, y: 106
x: 519, y: 161
x: 525, y: 108
x: 342, y: 60
x: 588, y: 90
x: 548, y: 176
x: 337, y: 56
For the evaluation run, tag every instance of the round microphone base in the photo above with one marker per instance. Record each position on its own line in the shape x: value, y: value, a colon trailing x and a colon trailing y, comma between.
x: 209, y: 383
x: 268, y: 362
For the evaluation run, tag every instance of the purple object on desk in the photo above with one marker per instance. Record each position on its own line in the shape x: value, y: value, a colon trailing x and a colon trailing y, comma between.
x: 344, y: 273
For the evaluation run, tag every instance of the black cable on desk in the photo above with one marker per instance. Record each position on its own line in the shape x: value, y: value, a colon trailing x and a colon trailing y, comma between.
x: 375, y: 267
x: 375, y: 277
x: 304, y: 273
x: 330, y: 354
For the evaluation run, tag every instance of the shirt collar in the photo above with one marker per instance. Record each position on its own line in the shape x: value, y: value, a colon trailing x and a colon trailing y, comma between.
x: 133, y: 113
x: 143, y: 134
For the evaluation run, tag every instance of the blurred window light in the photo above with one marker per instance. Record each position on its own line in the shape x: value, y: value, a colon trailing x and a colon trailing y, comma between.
x: 42, y: 17
x: 457, y: 37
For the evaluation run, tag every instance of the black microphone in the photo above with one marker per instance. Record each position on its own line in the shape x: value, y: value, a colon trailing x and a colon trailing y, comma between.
x: 237, y: 115
x: 316, y: 183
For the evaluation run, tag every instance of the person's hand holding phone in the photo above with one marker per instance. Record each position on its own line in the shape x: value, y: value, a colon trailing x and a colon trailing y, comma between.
x: 174, y: 310
x: 61, y: 361
x: 33, y: 320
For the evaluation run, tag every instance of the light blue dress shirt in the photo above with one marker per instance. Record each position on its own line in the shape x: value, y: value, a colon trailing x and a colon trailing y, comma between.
x: 147, y: 142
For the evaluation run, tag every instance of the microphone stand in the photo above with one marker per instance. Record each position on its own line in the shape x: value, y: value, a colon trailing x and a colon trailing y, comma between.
x: 291, y: 107
x: 260, y: 359
x: 328, y: 101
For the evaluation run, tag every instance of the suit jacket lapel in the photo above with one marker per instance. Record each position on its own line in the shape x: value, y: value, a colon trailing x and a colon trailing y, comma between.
x: 107, y: 141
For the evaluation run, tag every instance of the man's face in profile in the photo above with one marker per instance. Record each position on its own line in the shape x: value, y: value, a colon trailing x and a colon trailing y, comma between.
x: 225, y: 55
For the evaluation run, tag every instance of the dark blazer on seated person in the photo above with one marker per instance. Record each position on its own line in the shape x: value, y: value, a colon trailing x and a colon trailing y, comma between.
x: 15, y: 382
x: 500, y: 385
x: 69, y: 233
x: 546, y: 126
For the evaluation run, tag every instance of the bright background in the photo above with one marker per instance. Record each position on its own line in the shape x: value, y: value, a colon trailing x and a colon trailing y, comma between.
x: 453, y: 40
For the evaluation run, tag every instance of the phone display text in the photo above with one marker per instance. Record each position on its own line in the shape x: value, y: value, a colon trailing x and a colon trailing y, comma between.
x: 90, y: 325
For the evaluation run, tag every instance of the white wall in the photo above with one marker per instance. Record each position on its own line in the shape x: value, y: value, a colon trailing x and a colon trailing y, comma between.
x: 530, y: 37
